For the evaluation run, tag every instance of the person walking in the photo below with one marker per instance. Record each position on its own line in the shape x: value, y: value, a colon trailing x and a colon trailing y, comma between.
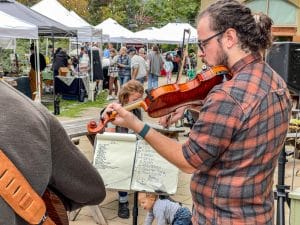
x: 139, y: 67
x: 113, y: 72
x: 155, y: 66
x: 168, y: 66
x: 124, y: 64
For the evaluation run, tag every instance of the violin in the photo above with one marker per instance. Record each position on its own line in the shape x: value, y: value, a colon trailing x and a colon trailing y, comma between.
x: 167, y: 98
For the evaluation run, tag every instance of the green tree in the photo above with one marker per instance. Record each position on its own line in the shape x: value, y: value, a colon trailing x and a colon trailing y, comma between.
x: 28, y: 2
x: 163, y: 12
x: 78, y: 6
x: 133, y: 14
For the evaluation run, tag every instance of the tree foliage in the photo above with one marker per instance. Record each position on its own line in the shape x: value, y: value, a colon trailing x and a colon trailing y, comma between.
x: 28, y: 2
x: 78, y: 6
x: 163, y: 12
x: 133, y: 14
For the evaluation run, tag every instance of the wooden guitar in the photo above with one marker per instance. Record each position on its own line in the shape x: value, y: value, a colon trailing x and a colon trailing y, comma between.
x: 55, y: 208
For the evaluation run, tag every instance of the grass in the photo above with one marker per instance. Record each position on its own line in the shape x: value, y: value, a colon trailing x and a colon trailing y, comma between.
x: 73, y: 108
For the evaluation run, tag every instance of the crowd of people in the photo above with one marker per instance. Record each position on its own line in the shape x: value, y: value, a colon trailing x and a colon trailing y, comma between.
x: 114, y: 67
x: 231, y: 151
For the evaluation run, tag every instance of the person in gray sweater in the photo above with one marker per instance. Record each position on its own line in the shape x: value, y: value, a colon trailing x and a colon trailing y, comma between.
x: 37, y: 144
x: 165, y: 210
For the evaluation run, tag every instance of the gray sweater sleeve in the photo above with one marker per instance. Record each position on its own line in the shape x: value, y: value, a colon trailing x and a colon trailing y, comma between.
x: 73, y: 175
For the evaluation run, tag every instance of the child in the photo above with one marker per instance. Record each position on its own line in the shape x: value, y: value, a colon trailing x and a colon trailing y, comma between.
x: 164, y: 210
x: 168, y: 66
x: 130, y: 92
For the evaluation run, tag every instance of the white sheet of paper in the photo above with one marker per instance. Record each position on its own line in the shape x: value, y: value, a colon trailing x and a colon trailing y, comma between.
x: 114, y: 159
x: 152, y: 172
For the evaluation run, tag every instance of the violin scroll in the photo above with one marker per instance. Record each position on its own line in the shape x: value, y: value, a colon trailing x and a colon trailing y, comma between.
x: 94, y: 128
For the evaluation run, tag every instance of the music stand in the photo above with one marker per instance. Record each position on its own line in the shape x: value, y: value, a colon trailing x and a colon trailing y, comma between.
x: 281, y: 194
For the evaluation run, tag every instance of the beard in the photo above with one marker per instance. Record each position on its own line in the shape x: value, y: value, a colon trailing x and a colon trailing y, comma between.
x: 221, y: 58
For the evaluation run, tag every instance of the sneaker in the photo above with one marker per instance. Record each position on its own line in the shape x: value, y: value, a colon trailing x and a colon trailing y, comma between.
x: 123, y: 211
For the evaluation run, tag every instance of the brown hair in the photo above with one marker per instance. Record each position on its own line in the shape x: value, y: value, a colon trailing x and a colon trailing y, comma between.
x: 254, y: 34
x: 128, y: 88
x: 155, y: 49
x: 113, y: 50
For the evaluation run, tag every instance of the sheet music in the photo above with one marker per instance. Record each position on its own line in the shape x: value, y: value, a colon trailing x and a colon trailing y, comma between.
x: 114, y: 159
x: 152, y: 172
x: 127, y: 164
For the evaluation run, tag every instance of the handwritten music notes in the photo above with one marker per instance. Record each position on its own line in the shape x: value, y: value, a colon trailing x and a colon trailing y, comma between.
x: 114, y: 158
x: 152, y: 172
x: 129, y: 164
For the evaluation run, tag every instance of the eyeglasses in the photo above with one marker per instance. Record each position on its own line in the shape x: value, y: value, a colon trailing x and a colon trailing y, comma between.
x: 203, y: 43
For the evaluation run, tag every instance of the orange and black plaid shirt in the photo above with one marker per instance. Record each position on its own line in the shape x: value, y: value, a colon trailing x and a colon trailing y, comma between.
x: 235, y: 143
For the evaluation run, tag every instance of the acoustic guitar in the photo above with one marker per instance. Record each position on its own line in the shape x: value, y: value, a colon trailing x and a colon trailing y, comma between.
x: 55, y: 208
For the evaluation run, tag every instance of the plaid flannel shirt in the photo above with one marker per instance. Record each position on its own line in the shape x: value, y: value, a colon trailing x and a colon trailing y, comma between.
x: 235, y: 143
x: 125, y: 60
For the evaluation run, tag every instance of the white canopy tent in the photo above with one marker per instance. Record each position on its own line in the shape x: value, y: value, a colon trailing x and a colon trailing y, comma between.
x: 11, y: 27
x: 85, y: 32
x: 117, y: 33
x: 149, y: 34
x: 55, y: 11
x: 172, y: 33
x: 95, y: 33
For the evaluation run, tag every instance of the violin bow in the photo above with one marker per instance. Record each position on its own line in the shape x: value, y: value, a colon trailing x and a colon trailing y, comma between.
x: 179, y: 75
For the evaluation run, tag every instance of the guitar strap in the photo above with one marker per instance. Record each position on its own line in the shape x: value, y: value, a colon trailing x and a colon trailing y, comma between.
x: 18, y: 193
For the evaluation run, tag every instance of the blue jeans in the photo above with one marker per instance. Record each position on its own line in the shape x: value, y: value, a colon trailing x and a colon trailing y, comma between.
x: 183, y: 216
x: 123, y: 79
x: 152, y: 81
x: 142, y: 80
x: 123, y: 197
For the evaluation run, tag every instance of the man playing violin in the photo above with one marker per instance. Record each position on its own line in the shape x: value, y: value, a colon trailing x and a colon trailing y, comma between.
x: 233, y: 147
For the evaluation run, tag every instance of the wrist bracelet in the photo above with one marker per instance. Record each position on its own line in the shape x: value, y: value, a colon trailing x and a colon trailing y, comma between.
x: 144, y: 131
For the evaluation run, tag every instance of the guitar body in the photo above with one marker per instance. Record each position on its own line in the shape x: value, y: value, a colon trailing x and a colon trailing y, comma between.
x: 55, y: 208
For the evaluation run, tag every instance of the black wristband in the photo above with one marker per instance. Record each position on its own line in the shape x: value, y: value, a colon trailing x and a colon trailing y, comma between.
x: 144, y: 131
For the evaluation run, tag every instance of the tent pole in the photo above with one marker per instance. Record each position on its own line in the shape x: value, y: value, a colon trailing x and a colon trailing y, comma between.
x: 70, y: 44
x: 77, y: 55
x: 92, y: 69
x: 56, y: 99
x: 38, y: 73
x: 47, y: 43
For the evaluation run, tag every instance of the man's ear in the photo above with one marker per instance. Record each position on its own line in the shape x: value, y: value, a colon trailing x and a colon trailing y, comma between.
x: 230, y: 38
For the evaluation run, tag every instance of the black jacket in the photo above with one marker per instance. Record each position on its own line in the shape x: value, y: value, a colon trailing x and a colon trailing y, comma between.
x: 42, y: 61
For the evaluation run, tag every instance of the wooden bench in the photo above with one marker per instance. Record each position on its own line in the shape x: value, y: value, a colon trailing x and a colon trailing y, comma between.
x: 78, y: 128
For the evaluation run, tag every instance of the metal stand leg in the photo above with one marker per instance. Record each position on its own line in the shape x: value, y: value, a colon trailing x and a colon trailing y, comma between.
x: 281, y: 193
x: 135, y: 210
x: 97, y: 215
x: 73, y: 215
